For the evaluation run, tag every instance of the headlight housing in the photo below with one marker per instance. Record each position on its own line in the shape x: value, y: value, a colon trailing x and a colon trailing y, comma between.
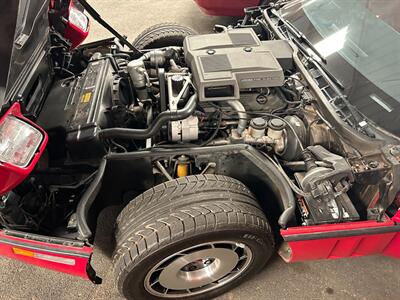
x: 22, y: 143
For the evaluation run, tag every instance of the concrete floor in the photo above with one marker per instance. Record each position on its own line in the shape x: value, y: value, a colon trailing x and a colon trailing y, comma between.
x: 361, y: 278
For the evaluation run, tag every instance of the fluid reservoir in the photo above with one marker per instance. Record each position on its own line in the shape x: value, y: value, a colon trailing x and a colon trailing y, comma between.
x: 257, y: 127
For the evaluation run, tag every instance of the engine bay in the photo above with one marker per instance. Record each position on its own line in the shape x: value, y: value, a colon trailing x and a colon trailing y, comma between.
x: 113, y: 92
x: 229, y: 88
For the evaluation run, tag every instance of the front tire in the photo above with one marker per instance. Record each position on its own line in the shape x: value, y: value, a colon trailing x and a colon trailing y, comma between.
x: 191, y: 238
x: 162, y: 35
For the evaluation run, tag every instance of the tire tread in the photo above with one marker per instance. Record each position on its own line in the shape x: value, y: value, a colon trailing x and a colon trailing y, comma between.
x: 161, y: 31
x: 142, y: 229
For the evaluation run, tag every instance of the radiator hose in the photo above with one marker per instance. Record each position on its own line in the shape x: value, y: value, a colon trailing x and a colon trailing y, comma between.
x: 241, y: 111
x: 155, y: 126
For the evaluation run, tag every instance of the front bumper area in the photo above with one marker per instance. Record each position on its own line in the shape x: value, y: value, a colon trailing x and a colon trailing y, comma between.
x: 333, y: 241
x: 62, y: 255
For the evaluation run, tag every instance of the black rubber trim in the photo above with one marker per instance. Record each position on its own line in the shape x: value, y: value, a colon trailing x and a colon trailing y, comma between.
x: 43, y: 248
x: 44, y: 239
x: 340, y: 233
x: 92, y: 274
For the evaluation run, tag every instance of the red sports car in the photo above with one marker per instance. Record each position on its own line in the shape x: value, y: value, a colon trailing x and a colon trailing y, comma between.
x: 278, y: 134
x: 227, y: 8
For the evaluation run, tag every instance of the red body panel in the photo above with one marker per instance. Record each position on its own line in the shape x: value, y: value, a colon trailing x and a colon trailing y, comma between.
x: 342, y: 240
x: 81, y: 255
x: 225, y: 8
x: 75, y: 35
x: 72, y: 32
x: 10, y: 175
x: 393, y: 249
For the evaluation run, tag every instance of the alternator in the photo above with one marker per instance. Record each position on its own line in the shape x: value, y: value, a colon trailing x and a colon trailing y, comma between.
x: 185, y: 130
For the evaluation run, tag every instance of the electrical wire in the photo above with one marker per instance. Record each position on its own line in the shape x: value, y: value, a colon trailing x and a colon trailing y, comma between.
x: 119, y: 146
x: 295, y: 95
x: 296, y: 79
x: 292, y: 185
x: 214, y: 134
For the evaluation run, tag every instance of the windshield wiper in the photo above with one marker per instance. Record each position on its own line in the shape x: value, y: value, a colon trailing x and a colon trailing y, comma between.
x: 360, y: 120
x: 311, y: 59
x: 298, y: 34
x: 298, y: 38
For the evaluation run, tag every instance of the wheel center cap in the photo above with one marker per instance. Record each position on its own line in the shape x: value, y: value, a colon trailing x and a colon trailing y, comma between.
x: 198, y: 268
x: 198, y: 264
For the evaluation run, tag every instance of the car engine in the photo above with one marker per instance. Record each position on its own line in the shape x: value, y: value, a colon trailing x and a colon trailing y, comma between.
x: 218, y: 89
x: 233, y: 74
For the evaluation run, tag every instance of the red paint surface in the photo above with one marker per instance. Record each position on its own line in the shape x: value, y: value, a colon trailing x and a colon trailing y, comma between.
x: 10, y: 175
x: 75, y: 34
x: 393, y: 249
x: 340, y: 247
x: 72, y: 33
x: 396, y: 217
x: 397, y: 200
x: 79, y: 269
x: 225, y: 8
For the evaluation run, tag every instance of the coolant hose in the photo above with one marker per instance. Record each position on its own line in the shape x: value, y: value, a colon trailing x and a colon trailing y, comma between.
x: 155, y: 126
x: 87, y: 199
x: 241, y: 111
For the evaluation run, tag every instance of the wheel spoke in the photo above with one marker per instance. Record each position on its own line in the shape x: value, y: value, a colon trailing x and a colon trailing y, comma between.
x: 155, y: 282
x: 236, y: 270
x: 158, y: 269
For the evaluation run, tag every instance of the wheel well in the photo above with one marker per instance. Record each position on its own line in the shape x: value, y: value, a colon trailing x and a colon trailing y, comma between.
x: 238, y: 161
x: 249, y: 174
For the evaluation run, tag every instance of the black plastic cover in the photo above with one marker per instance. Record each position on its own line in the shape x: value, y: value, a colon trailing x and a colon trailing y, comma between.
x: 76, y: 109
x: 26, y: 68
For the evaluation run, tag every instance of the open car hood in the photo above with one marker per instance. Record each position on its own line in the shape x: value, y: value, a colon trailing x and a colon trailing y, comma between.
x: 8, y: 19
x: 24, y: 34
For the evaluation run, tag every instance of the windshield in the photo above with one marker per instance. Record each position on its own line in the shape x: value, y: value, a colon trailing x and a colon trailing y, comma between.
x: 361, y: 41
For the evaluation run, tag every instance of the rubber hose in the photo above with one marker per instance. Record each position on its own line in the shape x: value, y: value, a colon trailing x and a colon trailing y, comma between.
x: 154, y: 128
x: 241, y: 111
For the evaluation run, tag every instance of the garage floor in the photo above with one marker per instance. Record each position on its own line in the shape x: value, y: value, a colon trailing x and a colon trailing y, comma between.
x: 362, y: 278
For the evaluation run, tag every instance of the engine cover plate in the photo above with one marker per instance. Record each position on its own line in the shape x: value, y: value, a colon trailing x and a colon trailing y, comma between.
x: 225, y: 63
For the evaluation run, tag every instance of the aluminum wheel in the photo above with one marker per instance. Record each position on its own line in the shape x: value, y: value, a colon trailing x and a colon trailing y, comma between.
x: 198, y: 269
